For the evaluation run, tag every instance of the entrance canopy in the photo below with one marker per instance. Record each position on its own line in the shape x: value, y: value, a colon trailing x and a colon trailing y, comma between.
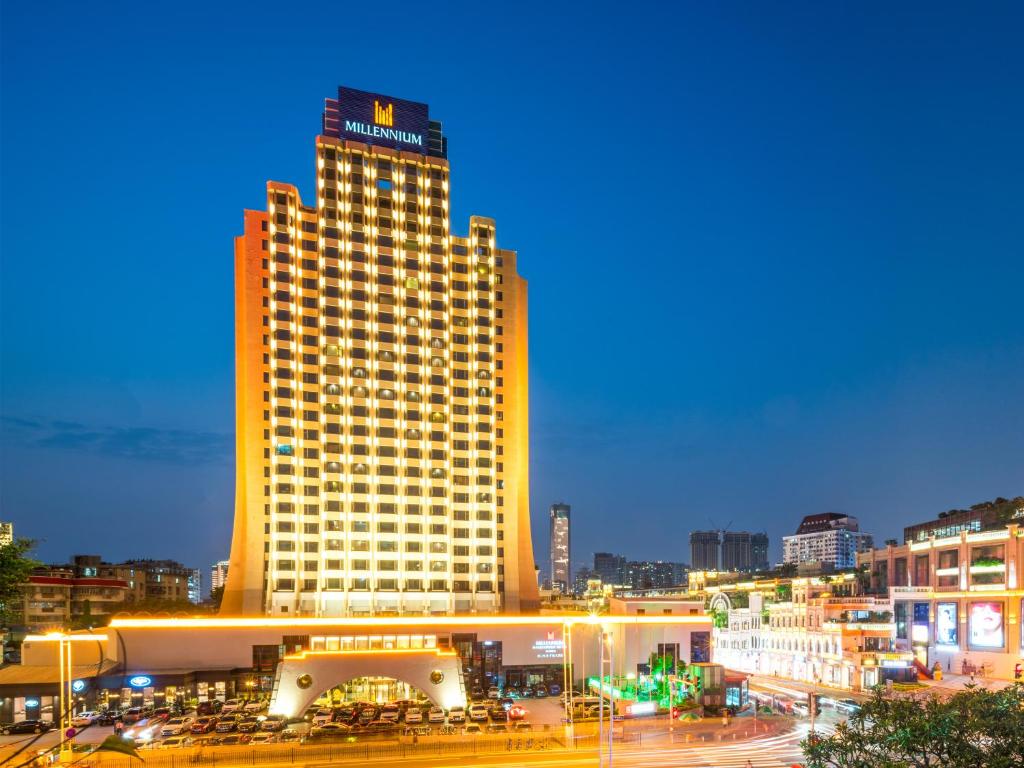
x: 301, y: 678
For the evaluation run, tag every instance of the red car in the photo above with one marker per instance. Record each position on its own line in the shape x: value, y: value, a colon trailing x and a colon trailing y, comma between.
x: 516, y: 712
x: 204, y: 724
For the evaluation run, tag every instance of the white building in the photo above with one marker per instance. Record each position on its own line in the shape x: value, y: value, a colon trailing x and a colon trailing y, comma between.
x: 218, y: 574
x: 809, y: 633
x: 830, y: 539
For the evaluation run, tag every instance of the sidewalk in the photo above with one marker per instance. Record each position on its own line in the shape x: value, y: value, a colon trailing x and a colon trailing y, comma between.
x: 954, y: 682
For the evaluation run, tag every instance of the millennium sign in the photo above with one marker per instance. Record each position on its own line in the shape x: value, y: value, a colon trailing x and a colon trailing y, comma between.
x: 373, y: 118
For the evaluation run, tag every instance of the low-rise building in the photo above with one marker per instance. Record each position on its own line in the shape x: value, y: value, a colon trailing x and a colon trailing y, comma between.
x: 957, y: 599
x: 811, y: 630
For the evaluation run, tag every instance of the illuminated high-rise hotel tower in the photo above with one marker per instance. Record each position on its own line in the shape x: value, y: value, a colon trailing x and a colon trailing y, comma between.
x: 382, y: 462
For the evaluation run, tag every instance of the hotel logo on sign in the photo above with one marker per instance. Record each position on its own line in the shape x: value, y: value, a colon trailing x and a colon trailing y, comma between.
x: 383, y: 115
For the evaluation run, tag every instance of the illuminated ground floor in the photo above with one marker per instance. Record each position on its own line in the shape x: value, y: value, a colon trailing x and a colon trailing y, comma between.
x: 293, y: 662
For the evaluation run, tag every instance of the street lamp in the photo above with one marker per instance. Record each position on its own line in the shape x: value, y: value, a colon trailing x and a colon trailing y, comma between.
x: 66, y: 678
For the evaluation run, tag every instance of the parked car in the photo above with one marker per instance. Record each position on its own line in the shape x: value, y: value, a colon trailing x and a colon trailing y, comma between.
x: 382, y: 726
x: 235, y: 739
x: 347, y: 715
x: 498, y: 715
x: 231, y: 705
x: 472, y: 730
x: 107, y: 718
x: 26, y: 726
x: 413, y: 717
x: 177, y: 726
x: 248, y: 725
x: 493, y: 692
x: 211, y: 707
x: 457, y: 715
x: 540, y: 691
x: 522, y: 725
x: 368, y: 715
x: 274, y: 723
x: 435, y: 715
x: 512, y: 691
x: 82, y: 719
x: 263, y: 738
x: 256, y: 705
x: 204, y: 724
x: 227, y: 724
x: 497, y: 728
x: 329, y: 729
x: 390, y: 713
x: 289, y: 734
x: 175, y: 741
x: 478, y: 713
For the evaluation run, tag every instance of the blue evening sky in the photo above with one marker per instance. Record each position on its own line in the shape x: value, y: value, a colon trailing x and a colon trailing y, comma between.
x: 775, y: 250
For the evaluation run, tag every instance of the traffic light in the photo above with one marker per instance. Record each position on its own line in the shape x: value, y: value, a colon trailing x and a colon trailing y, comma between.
x: 1018, y: 671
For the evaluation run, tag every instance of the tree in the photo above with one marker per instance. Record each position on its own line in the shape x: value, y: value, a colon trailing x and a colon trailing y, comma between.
x: 974, y: 728
x: 15, y: 568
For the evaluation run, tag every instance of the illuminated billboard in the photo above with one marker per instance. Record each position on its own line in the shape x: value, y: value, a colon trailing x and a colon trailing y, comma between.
x: 945, y: 624
x: 374, y: 118
x: 986, y: 625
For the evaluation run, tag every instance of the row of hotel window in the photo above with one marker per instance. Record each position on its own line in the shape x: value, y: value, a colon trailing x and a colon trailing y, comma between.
x: 287, y: 450
x: 384, y: 508
x: 985, y: 621
x: 286, y: 526
x: 410, y: 566
x: 390, y: 545
x: 383, y: 585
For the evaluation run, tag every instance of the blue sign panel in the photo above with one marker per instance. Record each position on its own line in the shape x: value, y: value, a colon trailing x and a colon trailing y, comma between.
x: 78, y: 686
x: 140, y: 681
x: 373, y: 118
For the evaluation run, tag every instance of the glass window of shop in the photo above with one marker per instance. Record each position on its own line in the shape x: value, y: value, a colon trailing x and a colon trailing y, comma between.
x: 901, y: 619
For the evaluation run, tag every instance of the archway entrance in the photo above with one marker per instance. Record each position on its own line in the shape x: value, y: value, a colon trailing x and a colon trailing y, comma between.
x: 376, y: 690
x: 304, y: 677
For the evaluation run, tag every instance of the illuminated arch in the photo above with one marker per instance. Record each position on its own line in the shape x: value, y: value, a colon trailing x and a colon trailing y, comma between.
x: 303, y: 677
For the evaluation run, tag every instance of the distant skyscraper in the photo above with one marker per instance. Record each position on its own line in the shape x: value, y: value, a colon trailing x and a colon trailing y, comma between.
x: 830, y: 539
x: 736, y: 554
x: 6, y: 533
x: 195, y: 586
x: 561, y: 578
x: 219, y: 574
x: 759, y: 551
x: 704, y: 550
x: 609, y: 568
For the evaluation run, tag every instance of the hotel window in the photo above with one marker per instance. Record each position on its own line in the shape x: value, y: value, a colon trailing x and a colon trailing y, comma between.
x: 921, y: 575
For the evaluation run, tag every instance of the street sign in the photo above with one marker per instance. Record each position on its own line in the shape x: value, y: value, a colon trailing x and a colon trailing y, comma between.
x: 70, y: 733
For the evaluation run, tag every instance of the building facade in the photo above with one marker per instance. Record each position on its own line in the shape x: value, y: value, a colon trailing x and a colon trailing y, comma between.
x: 88, y: 591
x: 704, y: 550
x: 759, y: 551
x: 810, y: 630
x: 6, y: 533
x: 830, y: 539
x: 737, y: 553
x: 218, y: 574
x: 561, y: 580
x: 610, y: 568
x: 958, y: 599
x: 382, y: 430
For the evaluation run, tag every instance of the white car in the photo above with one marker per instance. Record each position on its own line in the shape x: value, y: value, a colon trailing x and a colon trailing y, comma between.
x: 253, y: 706
x: 435, y: 715
x: 478, y: 713
x: 801, y: 708
x: 177, y: 726
x: 83, y: 719
x: 414, y: 716
x: 457, y: 715
x: 322, y: 716
x: 389, y: 713
x: 175, y: 741
x: 493, y: 692
x: 231, y: 705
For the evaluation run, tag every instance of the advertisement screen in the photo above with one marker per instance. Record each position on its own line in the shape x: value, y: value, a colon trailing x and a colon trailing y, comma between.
x: 945, y: 624
x: 987, y: 625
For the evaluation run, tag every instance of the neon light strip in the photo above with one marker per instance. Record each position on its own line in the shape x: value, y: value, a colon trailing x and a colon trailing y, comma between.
x: 398, y: 621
